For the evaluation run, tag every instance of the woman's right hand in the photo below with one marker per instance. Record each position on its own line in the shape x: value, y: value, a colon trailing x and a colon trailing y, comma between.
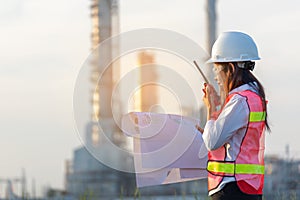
x: 210, y: 98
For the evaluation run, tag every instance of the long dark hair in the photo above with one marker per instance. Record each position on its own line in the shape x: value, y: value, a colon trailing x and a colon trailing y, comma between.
x: 240, y: 76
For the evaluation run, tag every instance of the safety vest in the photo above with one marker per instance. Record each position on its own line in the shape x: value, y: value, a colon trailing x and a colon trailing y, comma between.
x: 248, y: 168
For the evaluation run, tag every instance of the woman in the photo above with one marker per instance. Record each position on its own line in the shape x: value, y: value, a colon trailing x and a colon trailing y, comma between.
x: 235, y: 135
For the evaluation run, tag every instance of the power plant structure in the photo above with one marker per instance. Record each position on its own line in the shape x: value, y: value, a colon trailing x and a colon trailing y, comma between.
x: 85, y: 175
x: 146, y: 97
x: 12, y: 191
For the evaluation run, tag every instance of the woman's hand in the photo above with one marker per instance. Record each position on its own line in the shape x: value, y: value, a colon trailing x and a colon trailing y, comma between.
x: 201, y: 130
x: 210, y: 99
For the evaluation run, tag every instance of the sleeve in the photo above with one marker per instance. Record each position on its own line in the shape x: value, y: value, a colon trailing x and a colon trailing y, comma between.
x: 233, y: 117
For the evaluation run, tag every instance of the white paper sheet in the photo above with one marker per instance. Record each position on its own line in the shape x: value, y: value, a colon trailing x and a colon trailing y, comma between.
x: 166, y: 148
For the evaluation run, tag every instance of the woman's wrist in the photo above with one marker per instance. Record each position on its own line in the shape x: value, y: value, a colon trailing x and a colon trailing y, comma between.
x: 211, y: 109
x: 211, y: 113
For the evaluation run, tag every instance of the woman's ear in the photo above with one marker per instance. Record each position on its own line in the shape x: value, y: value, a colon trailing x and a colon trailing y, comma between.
x: 231, y: 68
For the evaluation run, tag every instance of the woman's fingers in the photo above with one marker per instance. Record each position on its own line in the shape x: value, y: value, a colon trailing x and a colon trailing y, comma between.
x: 199, y: 128
x: 204, y: 91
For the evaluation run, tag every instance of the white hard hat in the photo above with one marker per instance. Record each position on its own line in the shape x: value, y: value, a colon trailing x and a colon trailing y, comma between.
x: 234, y: 47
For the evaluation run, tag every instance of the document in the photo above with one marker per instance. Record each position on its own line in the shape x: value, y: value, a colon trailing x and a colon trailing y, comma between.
x: 166, y: 148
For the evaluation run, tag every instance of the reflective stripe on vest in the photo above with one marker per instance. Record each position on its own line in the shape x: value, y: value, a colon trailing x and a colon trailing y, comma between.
x: 257, y: 116
x: 232, y: 168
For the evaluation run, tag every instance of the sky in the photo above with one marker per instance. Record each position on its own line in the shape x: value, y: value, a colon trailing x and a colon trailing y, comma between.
x: 43, y: 45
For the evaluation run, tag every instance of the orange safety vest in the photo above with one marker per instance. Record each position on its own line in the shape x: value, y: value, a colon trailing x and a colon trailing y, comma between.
x: 248, y: 168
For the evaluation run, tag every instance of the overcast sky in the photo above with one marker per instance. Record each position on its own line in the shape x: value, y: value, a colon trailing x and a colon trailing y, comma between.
x: 43, y: 44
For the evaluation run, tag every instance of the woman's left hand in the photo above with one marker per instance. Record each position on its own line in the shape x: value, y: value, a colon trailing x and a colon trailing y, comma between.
x: 201, y: 130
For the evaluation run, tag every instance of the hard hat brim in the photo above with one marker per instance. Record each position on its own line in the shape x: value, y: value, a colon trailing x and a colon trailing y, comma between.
x: 211, y: 60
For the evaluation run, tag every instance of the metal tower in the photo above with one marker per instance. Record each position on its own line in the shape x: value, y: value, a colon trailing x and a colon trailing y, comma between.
x: 105, y: 24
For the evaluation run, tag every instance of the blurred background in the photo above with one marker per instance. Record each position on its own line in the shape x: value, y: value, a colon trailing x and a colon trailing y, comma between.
x: 44, y: 44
